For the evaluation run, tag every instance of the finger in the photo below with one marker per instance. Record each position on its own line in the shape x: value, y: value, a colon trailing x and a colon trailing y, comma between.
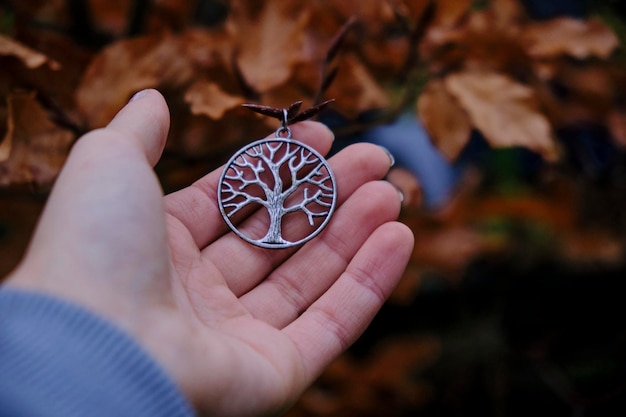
x: 196, y: 206
x: 306, y: 275
x: 103, y: 164
x: 246, y: 264
x: 108, y: 190
x: 337, y: 318
x: 144, y: 121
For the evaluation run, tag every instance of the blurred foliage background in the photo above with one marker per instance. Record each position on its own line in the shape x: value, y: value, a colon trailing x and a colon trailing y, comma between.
x: 507, y: 119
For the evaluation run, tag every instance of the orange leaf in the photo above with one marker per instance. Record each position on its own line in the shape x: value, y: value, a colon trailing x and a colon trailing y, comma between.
x: 449, y: 12
x: 567, y: 36
x: 355, y: 88
x: 407, y: 184
x: 616, y: 122
x: 507, y: 13
x: 30, y: 57
x: 34, y: 148
x: 269, y: 42
x: 126, y: 67
x: 209, y: 99
x: 446, y: 122
x: 506, y: 112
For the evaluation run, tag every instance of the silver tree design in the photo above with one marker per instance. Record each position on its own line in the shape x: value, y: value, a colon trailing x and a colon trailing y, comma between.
x: 284, y: 177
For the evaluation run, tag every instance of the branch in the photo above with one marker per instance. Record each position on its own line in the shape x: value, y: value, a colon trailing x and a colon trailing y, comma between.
x: 227, y: 188
x: 306, y: 201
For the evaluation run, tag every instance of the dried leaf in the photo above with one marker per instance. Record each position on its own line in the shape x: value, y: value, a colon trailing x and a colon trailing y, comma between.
x: 356, y: 89
x: 110, y: 16
x: 446, y: 122
x: 568, y: 36
x: 373, y: 15
x: 482, y: 41
x: 449, y: 12
x: 413, y: 10
x: 407, y: 184
x: 269, y: 43
x: 209, y: 99
x: 506, y: 112
x: 507, y: 13
x: 33, y: 149
x: 593, y: 248
x: 30, y: 57
x: 616, y: 121
x: 126, y: 67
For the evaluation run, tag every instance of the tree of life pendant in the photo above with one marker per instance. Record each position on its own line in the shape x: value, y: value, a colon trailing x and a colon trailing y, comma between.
x: 277, y: 192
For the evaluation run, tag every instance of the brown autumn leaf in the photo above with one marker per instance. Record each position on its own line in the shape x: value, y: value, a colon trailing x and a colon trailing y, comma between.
x: 616, y: 122
x: 268, y: 42
x: 508, y: 14
x: 33, y: 149
x: 449, y: 12
x: 568, y: 36
x: 591, y: 92
x: 356, y: 89
x: 361, y: 388
x: 210, y: 99
x: 30, y: 57
x: 481, y: 41
x: 126, y: 67
x: 408, y: 184
x: 413, y: 10
x: 110, y: 16
x: 120, y: 70
x: 505, y: 111
x: 446, y: 122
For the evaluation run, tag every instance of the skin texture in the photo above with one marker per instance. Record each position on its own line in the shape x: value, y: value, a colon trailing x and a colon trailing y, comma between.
x: 241, y: 329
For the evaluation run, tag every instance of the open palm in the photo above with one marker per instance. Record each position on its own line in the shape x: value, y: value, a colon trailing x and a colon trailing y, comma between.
x: 242, y: 330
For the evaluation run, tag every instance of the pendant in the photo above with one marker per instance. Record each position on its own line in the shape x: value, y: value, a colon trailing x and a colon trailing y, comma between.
x: 286, y: 188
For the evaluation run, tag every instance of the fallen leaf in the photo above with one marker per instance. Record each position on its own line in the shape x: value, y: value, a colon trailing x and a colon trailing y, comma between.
x: 209, y: 99
x: 505, y: 111
x: 373, y: 16
x: 126, y: 67
x: 449, y: 12
x: 567, y: 36
x: 450, y: 249
x: 356, y: 89
x: 33, y: 149
x: 269, y: 41
x: 111, y: 16
x: 30, y: 57
x: 593, y: 247
x: 407, y: 184
x: 413, y: 9
x: 616, y: 122
x: 446, y: 122
x: 507, y: 13
x: 380, y: 385
x: 482, y: 41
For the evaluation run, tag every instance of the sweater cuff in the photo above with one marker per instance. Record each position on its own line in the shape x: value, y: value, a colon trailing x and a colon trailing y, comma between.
x: 58, y: 359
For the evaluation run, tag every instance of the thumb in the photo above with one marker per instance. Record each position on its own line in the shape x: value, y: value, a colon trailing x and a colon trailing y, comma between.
x: 145, y: 121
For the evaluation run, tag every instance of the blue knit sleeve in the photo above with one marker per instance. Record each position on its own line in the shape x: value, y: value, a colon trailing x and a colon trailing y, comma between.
x: 57, y: 359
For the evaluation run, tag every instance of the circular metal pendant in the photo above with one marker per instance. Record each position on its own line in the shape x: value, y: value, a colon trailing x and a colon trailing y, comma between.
x: 277, y: 193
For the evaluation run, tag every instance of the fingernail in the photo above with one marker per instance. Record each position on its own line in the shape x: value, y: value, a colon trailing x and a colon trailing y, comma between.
x: 401, y: 195
x: 332, y: 134
x: 392, y: 160
x: 138, y: 95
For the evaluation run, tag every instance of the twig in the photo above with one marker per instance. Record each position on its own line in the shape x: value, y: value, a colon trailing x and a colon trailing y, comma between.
x: 328, y: 73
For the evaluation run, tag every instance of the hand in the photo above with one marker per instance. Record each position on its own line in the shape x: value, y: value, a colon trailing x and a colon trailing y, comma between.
x: 242, y: 330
